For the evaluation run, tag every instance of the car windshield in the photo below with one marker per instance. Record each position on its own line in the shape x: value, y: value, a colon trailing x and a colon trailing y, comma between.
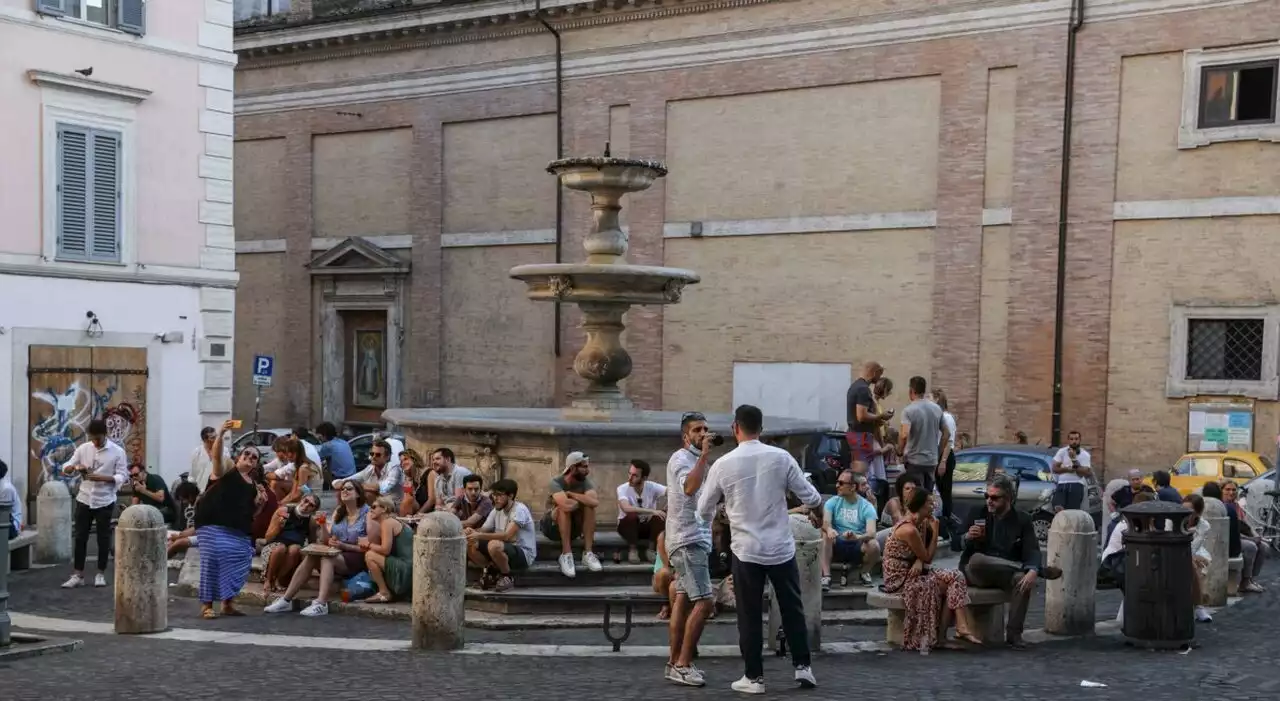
x: 1197, y: 467
x: 1267, y: 465
x: 971, y: 467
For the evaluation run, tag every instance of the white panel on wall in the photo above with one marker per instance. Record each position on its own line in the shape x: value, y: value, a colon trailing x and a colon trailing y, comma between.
x: 796, y: 390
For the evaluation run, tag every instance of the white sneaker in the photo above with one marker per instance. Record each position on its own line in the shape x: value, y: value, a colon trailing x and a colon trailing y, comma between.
x: 75, y: 581
x: 804, y: 677
x: 566, y: 566
x: 1202, y: 615
x: 1120, y: 614
x: 99, y: 580
x: 688, y: 676
x: 591, y: 561
x: 317, y: 608
x: 281, y: 605
x: 748, y: 686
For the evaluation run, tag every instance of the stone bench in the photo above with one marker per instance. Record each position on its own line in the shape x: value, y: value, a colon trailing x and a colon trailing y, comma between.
x: 1235, y: 566
x: 20, y: 550
x: 987, y: 605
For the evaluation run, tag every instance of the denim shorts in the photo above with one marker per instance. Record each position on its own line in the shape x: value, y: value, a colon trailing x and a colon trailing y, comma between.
x: 693, y: 575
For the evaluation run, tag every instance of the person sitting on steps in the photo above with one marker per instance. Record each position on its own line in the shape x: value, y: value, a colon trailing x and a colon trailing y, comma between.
x: 571, y: 512
x: 506, y: 540
x: 639, y: 518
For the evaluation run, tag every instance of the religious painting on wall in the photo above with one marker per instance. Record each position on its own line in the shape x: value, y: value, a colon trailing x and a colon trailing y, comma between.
x: 368, y: 371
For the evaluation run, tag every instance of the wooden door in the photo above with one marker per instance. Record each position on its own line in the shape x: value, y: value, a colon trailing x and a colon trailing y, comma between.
x: 69, y: 386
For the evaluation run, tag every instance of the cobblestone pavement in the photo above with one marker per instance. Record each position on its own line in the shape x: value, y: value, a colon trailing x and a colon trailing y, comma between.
x: 1235, y: 659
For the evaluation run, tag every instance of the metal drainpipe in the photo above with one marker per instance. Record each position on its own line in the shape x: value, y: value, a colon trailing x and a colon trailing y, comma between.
x: 537, y: 12
x: 1064, y: 197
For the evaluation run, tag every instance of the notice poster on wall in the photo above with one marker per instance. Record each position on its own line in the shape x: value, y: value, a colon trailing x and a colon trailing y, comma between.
x: 1220, y: 426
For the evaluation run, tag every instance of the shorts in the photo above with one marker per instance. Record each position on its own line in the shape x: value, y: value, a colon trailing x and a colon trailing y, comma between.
x: 848, y: 552
x: 1068, y: 496
x: 693, y: 574
x: 551, y: 529
x: 516, y: 559
x: 862, y: 445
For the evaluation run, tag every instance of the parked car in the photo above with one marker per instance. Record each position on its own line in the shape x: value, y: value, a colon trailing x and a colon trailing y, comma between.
x: 827, y: 455
x: 1194, y: 469
x: 262, y: 440
x: 1031, y: 468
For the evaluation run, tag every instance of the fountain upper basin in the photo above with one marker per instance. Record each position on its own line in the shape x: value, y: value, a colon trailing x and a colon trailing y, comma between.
x: 590, y: 282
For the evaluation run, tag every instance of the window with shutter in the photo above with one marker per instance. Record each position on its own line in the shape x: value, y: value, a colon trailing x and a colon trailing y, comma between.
x: 88, y: 194
x: 126, y: 15
x: 131, y: 17
x: 56, y: 8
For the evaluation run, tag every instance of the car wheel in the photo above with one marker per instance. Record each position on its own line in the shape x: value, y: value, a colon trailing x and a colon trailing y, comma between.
x: 1042, y: 521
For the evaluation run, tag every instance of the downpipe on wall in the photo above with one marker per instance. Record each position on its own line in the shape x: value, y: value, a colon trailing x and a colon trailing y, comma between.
x: 1064, y: 198
x: 537, y: 13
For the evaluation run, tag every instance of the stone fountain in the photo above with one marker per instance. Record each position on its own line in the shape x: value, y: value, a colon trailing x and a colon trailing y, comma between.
x: 529, y: 445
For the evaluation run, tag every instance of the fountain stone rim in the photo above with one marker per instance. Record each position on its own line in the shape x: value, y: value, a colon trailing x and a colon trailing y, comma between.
x: 558, y: 166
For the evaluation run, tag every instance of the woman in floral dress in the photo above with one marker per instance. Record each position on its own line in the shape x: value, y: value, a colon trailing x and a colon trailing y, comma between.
x: 927, y: 594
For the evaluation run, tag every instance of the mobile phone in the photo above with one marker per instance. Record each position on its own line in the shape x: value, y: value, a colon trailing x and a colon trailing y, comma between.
x: 236, y: 423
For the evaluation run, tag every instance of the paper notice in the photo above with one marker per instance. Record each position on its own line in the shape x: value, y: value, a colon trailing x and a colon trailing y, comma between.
x: 1195, y: 425
x: 1215, y: 421
x: 1207, y: 445
x: 1239, y: 436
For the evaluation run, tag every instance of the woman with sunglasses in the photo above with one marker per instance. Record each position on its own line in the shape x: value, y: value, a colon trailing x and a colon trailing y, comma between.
x: 350, y: 521
x: 390, y: 560
x: 224, y: 526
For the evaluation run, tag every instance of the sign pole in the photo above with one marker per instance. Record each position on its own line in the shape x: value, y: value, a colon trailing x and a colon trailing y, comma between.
x: 257, y: 406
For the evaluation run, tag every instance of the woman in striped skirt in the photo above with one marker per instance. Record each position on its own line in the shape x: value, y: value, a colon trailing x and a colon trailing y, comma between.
x: 224, y: 525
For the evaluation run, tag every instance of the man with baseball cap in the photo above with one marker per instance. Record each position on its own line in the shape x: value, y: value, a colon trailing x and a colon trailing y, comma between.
x: 571, y: 512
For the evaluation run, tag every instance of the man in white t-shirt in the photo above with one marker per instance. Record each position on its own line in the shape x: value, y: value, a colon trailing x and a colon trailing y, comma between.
x: 507, y: 540
x: 1071, y: 466
x: 103, y: 470
x: 202, y: 458
x: 639, y: 519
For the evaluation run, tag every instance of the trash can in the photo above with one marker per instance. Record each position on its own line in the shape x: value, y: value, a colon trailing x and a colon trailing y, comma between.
x: 1158, y: 611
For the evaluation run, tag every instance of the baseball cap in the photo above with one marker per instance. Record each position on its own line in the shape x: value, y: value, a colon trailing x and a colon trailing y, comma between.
x: 574, y: 458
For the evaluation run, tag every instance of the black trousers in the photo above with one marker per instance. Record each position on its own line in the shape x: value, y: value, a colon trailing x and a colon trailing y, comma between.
x: 748, y: 588
x: 100, y: 520
x: 944, y: 488
x: 926, y: 473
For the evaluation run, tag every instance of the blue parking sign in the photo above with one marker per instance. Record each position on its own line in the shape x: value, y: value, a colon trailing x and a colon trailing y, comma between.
x: 263, y: 365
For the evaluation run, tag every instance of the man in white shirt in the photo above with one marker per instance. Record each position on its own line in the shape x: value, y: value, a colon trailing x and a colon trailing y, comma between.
x: 202, y: 458
x: 639, y: 519
x: 9, y: 493
x: 103, y: 470
x: 1070, y: 468
x: 507, y: 539
x: 753, y: 479
x: 381, y: 478
x: 688, y: 544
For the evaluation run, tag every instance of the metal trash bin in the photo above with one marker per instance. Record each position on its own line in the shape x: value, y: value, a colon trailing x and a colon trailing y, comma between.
x: 1158, y: 611
x: 6, y: 511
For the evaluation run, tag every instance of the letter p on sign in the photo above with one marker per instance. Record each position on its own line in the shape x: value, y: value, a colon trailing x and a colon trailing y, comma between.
x: 263, y: 365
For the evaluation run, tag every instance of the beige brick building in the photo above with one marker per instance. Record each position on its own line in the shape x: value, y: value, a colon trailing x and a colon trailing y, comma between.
x: 853, y: 180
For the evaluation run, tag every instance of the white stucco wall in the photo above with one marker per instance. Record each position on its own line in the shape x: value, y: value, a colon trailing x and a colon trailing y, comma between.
x: 47, y: 311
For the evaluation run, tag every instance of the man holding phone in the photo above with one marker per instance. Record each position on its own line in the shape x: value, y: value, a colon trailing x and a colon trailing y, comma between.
x: 1071, y: 466
x: 1001, y: 551
x: 103, y: 470
x: 864, y: 422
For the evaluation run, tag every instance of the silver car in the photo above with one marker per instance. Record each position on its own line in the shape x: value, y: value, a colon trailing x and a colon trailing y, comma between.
x: 1030, y: 466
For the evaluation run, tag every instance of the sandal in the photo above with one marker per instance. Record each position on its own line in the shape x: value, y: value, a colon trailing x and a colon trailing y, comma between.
x: 378, y: 598
x: 969, y: 638
x: 231, y: 611
x: 207, y: 613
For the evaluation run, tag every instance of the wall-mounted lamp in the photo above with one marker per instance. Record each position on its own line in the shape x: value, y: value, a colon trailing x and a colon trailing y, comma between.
x: 170, y: 337
x: 93, y: 329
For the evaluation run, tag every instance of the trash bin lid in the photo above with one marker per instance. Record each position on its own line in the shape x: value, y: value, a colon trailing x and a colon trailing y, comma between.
x: 1141, y: 517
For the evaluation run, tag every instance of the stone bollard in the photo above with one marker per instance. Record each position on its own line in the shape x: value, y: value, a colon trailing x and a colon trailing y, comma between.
x: 142, y: 571
x: 1215, y: 579
x: 1113, y: 486
x: 1069, y: 600
x: 439, y: 583
x: 809, y: 562
x: 53, y: 524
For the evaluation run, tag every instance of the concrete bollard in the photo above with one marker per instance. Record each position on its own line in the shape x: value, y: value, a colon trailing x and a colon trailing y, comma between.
x: 809, y: 562
x: 142, y: 571
x: 1113, y: 486
x: 1215, y: 580
x: 53, y: 524
x: 439, y: 583
x: 1069, y: 601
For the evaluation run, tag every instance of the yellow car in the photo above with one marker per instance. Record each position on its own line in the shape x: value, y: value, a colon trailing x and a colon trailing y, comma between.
x: 1194, y: 469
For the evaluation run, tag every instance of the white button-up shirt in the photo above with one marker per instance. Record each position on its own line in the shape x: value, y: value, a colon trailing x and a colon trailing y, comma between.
x: 390, y: 482
x: 754, y: 479
x: 109, y: 461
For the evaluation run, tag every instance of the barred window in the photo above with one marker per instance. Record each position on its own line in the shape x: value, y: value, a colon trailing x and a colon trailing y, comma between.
x: 1224, y: 349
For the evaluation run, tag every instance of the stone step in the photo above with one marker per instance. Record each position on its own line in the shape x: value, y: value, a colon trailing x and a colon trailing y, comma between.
x: 540, y: 574
x: 549, y: 601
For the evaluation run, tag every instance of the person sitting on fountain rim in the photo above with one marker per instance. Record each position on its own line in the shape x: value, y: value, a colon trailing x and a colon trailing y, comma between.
x: 571, y: 512
x: 639, y: 518
x: 1001, y: 551
x: 506, y: 540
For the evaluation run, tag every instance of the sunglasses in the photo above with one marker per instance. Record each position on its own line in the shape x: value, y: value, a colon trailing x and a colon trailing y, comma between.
x: 843, y: 482
x: 995, y: 497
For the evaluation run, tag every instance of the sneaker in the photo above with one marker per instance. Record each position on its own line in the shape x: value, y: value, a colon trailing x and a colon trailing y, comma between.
x: 667, y: 671
x: 865, y: 578
x: 826, y: 584
x: 566, y: 566
x: 1120, y: 614
x: 804, y: 677
x: 505, y: 583
x: 749, y: 686
x: 633, y: 556
x: 75, y: 581
x: 1252, y: 588
x: 317, y: 608
x: 281, y: 605
x: 1202, y: 615
x: 591, y: 561
x: 99, y: 580
x: 688, y: 676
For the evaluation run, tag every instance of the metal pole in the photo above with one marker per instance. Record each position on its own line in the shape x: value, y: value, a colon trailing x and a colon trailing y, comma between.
x: 257, y: 406
x: 6, y: 510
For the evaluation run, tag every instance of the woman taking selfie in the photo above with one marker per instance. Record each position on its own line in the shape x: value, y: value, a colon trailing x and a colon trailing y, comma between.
x: 224, y: 526
x: 344, y: 535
